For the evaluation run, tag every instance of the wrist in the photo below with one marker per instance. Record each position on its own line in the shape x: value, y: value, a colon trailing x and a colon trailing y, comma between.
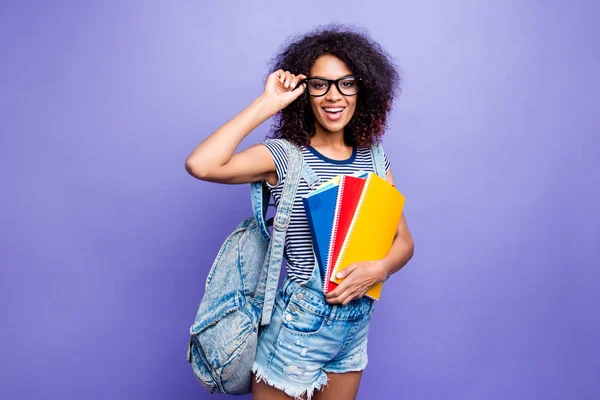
x: 383, y: 271
x: 267, y: 105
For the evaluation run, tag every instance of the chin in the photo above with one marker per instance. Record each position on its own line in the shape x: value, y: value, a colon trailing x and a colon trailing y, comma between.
x: 333, y: 127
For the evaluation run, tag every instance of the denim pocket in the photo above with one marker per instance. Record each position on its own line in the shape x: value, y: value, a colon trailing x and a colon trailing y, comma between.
x: 299, y: 321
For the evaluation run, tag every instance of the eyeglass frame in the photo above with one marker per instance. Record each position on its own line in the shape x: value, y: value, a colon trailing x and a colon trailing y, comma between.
x: 329, y: 84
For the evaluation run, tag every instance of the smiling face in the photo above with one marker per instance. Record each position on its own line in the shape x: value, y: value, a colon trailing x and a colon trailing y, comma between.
x: 334, y: 110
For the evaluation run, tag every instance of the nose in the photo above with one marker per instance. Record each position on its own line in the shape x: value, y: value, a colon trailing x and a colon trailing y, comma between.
x: 333, y: 94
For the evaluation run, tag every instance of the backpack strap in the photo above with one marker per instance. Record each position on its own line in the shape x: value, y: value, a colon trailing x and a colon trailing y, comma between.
x: 268, y: 280
x: 259, y: 194
x: 308, y: 175
x: 378, y: 159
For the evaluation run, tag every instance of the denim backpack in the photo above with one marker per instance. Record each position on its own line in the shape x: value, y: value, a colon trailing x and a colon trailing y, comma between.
x: 242, y: 283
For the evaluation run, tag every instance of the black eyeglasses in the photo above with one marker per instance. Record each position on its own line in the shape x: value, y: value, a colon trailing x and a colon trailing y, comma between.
x: 317, y: 87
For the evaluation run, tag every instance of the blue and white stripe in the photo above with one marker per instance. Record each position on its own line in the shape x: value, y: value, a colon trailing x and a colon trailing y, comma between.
x: 298, y: 244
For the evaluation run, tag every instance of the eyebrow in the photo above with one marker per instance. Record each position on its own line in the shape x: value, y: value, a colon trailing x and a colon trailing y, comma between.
x: 341, y: 77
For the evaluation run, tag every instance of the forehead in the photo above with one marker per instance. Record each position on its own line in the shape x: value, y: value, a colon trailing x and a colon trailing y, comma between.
x: 328, y: 66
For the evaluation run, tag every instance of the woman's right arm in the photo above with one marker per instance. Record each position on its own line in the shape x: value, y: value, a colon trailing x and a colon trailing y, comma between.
x: 215, y: 159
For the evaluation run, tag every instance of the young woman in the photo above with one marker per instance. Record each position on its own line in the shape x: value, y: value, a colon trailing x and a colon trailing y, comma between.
x: 331, y: 91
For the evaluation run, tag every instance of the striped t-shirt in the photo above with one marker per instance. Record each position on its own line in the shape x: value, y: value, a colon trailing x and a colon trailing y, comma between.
x: 298, y: 242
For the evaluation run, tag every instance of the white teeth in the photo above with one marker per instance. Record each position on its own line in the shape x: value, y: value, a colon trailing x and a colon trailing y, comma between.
x: 333, y: 109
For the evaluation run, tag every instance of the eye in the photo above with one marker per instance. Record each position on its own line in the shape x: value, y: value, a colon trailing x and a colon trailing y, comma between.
x: 318, y: 85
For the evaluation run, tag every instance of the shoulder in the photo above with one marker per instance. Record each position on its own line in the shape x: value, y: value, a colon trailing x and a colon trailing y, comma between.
x: 386, y: 160
x: 279, y: 150
x: 378, y: 155
x: 279, y: 144
x: 278, y: 147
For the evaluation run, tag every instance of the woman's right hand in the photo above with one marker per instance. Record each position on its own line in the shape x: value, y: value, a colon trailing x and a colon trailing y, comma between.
x: 216, y: 160
x: 282, y: 89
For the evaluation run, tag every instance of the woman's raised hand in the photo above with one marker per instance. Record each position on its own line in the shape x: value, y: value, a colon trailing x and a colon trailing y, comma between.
x: 282, y: 88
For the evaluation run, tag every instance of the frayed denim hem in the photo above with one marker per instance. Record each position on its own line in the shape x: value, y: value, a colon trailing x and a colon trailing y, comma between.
x: 292, y: 392
x: 359, y: 368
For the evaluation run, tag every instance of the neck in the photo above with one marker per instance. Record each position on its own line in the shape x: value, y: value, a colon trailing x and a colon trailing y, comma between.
x: 327, y: 138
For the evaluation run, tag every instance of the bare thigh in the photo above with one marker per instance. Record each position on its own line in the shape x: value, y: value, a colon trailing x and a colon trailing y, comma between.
x: 262, y: 391
x: 340, y: 387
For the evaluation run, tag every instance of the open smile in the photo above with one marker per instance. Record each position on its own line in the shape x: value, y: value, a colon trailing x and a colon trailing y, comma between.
x: 334, y: 113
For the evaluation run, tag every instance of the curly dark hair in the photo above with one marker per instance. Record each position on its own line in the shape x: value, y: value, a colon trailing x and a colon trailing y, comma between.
x: 366, y: 59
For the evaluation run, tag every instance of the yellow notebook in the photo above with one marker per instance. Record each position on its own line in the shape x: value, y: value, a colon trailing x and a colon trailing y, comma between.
x: 373, y: 227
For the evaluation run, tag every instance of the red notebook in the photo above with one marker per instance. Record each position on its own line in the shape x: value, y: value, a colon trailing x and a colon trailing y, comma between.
x: 349, y: 194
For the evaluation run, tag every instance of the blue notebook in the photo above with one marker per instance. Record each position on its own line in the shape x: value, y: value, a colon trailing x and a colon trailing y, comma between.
x: 320, y: 209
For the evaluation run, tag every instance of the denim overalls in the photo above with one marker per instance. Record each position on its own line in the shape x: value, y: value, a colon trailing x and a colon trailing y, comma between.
x: 308, y: 337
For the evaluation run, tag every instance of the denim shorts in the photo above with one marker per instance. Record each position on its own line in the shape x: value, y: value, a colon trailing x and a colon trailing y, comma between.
x: 308, y: 337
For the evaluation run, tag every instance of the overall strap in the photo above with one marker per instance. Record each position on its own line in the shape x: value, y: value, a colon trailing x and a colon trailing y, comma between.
x: 378, y: 159
x: 268, y: 280
x: 309, y: 176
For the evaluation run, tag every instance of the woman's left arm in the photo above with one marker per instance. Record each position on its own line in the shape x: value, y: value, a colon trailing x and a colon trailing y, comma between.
x: 360, y: 277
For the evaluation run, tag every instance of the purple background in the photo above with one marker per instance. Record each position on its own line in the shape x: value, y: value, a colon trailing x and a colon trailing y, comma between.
x: 106, y: 241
